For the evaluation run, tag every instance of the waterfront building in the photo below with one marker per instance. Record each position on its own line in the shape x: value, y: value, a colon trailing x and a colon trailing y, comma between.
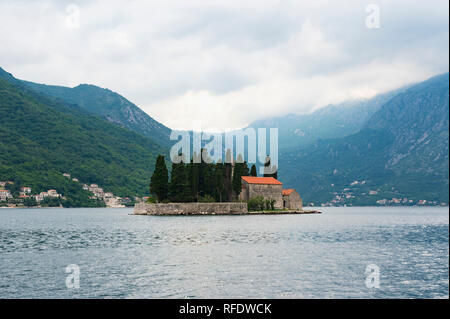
x: 52, y: 193
x: 272, y: 189
x: 266, y: 187
x: 5, y: 195
x: 292, y: 199
x: 25, y: 190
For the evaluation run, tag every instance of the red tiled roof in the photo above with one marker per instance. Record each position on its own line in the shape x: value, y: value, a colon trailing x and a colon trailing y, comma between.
x: 261, y: 180
x: 288, y: 191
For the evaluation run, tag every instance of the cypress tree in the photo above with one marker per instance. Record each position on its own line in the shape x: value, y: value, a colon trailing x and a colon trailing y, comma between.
x: 245, y: 171
x: 174, y: 180
x: 209, y: 180
x: 159, y: 179
x: 179, y: 190
x: 239, y: 170
x: 253, y: 171
x: 227, y: 172
x: 203, y: 168
x: 219, y: 177
x: 194, y: 177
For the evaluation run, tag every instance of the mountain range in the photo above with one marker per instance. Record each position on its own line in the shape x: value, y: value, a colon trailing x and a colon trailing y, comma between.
x: 401, y: 152
x: 392, y: 146
x: 104, y: 103
x: 299, y: 130
x: 41, y: 138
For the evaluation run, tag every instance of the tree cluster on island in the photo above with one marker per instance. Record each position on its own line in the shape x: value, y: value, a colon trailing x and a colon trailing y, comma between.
x: 200, y: 179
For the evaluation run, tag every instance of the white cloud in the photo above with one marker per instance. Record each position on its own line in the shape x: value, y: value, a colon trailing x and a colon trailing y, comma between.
x: 225, y: 63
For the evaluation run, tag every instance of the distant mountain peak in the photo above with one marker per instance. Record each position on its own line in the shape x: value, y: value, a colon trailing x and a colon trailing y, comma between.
x: 4, y: 74
x: 402, y: 151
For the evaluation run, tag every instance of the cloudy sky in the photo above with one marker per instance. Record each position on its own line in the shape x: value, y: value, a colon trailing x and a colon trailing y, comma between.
x: 226, y: 63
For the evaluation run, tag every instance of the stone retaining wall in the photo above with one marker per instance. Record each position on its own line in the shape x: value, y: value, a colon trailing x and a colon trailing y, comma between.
x: 267, y: 191
x: 191, y: 209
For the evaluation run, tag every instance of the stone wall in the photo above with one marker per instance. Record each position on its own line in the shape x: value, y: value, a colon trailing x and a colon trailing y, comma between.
x: 191, y: 209
x: 293, y: 201
x: 268, y: 191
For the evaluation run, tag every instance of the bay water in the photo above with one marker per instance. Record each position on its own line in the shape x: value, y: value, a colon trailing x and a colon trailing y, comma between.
x: 328, y: 255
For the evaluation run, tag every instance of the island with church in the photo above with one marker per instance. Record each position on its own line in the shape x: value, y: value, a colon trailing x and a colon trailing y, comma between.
x: 203, y: 187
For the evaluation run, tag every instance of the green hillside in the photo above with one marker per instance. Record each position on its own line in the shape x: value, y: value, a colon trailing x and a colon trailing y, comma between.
x: 401, y: 152
x: 396, y: 145
x: 41, y: 138
x: 102, y: 102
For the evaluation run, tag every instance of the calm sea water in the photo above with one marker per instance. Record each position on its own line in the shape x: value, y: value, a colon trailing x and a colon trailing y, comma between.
x: 298, y: 256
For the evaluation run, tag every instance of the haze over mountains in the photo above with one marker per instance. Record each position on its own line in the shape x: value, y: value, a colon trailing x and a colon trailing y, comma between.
x: 329, y: 122
x: 394, y: 145
x: 400, y: 152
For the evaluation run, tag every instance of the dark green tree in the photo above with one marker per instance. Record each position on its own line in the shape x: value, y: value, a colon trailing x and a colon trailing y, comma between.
x: 253, y: 171
x: 159, y: 180
x: 207, y: 170
x: 227, y: 172
x: 14, y: 188
x: 179, y: 188
x: 194, y: 176
x: 219, y: 186
x: 245, y: 171
x: 30, y: 202
x: 240, y: 169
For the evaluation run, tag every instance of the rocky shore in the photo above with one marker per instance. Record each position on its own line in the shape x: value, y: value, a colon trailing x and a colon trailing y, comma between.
x: 175, y: 209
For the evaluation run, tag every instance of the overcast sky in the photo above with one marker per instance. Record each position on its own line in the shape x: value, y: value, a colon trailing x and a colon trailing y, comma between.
x: 226, y: 63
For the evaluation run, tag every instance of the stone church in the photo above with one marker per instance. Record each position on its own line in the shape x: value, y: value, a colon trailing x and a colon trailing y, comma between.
x: 270, y: 188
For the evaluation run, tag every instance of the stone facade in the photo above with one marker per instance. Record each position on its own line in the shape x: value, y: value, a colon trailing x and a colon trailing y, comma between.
x: 268, y: 188
x: 292, y: 199
x: 190, y: 209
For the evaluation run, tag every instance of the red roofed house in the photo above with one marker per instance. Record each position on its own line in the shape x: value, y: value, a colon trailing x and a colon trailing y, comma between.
x: 291, y: 199
x: 270, y: 188
x: 267, y: 187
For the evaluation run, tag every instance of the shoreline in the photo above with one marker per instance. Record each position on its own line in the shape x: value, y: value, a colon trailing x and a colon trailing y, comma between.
x: 34, y: 207
x: 258, y: 213
x: 254, y: 213
x: 209, y: 209
x: 284, y: 212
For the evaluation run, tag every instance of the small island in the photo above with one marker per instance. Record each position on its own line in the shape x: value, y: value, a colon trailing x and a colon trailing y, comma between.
x: 201, y: 187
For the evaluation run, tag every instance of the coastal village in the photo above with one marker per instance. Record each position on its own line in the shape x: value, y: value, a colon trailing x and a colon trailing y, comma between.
x: 98, y: 193
x: 285, y: 198
x: 26, y: 194
x: 357, y: 189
